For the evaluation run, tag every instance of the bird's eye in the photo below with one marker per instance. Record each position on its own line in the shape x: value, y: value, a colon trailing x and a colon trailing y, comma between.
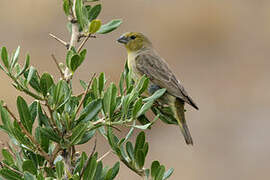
x: 133, y: 37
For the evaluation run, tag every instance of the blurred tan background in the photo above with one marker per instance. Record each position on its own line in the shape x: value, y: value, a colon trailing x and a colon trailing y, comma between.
x: 219, y: 49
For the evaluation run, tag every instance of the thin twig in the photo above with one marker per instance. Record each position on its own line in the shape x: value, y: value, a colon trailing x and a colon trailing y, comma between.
x: 51, y: 120
x: 89, y: 158
x: 58, y: 67
x: 60, y: 40
x: 83, y: 43
x: 41, y: 151
x: 84, y: 94
x: 106, y: 154
x: 10, y: 168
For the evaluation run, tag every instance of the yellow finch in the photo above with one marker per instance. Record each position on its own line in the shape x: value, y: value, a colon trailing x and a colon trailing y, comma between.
x: 143, y: 60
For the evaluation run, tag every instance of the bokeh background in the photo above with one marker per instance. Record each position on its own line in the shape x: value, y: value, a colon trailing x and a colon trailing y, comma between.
x: 219, y: 49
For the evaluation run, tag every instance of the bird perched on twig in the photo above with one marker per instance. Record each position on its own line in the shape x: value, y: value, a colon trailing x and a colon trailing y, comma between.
x: 143, y: 60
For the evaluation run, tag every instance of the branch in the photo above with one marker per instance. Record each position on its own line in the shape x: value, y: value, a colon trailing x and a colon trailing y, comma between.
x: 84, y: 94
x: 83, y: 43
x: 10, y: 168
x: 106, y: 154
x: 58, y: 67
x: 60, y: 40
x: 75, y: 27
x: 41, y: 151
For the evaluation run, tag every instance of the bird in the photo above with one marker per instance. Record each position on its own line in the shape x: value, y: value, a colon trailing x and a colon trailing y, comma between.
x: 144, y: 60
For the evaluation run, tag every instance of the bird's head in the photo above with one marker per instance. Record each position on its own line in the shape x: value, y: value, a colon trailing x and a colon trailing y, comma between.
x: 134, y: 41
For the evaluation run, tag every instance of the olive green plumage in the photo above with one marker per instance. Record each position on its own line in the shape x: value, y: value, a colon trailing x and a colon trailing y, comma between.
x: 144, y: 60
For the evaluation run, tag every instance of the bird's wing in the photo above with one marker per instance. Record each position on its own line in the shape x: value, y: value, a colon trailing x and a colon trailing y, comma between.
x: 157, y: 70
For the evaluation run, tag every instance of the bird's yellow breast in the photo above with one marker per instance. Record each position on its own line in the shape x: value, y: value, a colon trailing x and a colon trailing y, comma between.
x: 135, y: 74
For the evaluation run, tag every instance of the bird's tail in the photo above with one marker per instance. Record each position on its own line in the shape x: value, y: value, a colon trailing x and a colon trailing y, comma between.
x: 180, y: 116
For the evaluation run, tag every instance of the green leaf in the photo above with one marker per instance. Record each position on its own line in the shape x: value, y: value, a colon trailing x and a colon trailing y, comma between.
x: 74, y: 62
x: 86, y: 137
x: 109, y: 100
x: 50, y: 134
x: 160, y: 173
x: 143, y: 120
x: 6, y: 119
x: 145, y: 149
x: 140, y: 158
x: 112, y: 25
x: 94, y: 12
x: 142, y: 84
x: 24, y: 113
x: 113, y: 94
x: 50, y: 172
x: 111, y: 138
x: 90, y: 169
x: 168, y: 174
x: 26, y: 65
x: 77, y: 133
x: 29, y: 166
x: 121, y: 84
x: 46, y: 81
x: 94, y: 87
x: 66, y: 7
x: 15, y: 57
x: 154, y: 168
x: 143, y: 127
x: 156, y: 95
x: 112, y: 173
x: 145, y: 108
x: 81, y: 162
x: 91, y: 110
x: 10, y: 175
x: 140, y: 140
x: 94, y: 26
x: 80, y: 13
x: 31, y: 73
x: 99, y: 169
x: 101, y: 83
x: 165, y: 114
x: 130, y: 150
x: 60, y: 169
x: 83, y: 84
x: 4, y: 55
x: 137, y: 107
x: 28, y: 176
x: 8, y: 158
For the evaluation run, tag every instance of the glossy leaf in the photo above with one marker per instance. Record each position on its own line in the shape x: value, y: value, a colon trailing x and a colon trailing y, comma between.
x: 156, y: 95
x: 77, y: 133
x: 9, y: 174
x: 29, y: 166
x: 24, y: 113
x: 168, y: 174
x: 26, y: 65
x: 46, y: 81
x: 8, y: 158
x: 50, y: 134
x: 91, y: 110
x: 112, y: 25
x: 4, y: 56
x: 15, y: 57
x: 94, y: 12
x: 60, y: 169
x: 154, y: 168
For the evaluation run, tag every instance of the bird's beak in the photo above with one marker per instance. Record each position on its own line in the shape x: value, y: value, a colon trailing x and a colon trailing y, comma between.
x: 123, y: 39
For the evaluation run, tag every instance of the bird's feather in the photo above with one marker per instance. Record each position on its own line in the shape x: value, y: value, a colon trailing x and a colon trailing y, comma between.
x: 157, y: 70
